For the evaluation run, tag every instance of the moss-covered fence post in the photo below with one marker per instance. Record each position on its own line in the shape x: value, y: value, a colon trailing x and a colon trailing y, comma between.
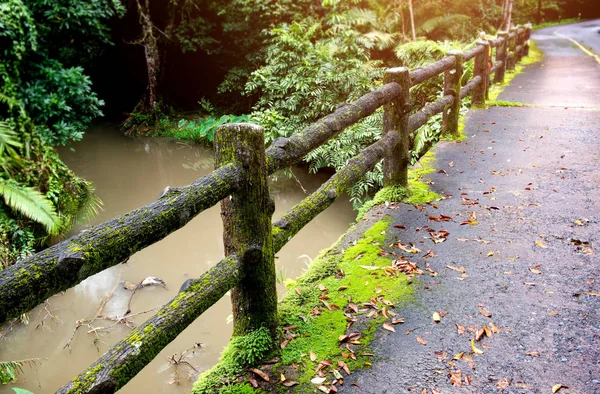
x: 512, y: 46
x: 395, y: 120
x: 452, y: 85
x: 501, y: 52
x: 527, y: 36
x: 247, y: 228
x: 481, y: 69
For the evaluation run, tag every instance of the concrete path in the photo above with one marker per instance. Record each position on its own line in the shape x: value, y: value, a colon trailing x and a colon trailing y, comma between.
x: 523, y: 195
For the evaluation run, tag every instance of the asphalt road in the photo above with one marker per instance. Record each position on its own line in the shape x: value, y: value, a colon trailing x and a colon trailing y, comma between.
x: 523, y: 197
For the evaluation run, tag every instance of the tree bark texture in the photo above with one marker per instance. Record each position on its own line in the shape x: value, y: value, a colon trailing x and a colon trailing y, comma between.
x: 152, y: 55
x: 512, y: 46
x: 472, y: 84
x: 129, y: 356
x: 247, y: 228
x: 452, y: 85
x: 395, y: 120
x: 481, y: 69
x: 501, y: 57
x: 412, y: 20
x: 30, y: 282
x: 421, y: 74
x: 284, y: 152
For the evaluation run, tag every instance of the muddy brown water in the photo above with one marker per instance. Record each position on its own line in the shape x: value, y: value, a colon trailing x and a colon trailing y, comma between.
x: 128, y: 173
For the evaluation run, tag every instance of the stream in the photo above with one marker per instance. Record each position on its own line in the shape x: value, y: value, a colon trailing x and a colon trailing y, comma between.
x: 128, y: 173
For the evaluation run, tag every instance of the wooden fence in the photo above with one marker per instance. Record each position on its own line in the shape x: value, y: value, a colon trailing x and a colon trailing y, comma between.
x: 240, y: 184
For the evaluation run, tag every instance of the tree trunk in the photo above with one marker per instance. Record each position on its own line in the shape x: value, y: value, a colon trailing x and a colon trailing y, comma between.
x: 509, y: 6
x: 412, y: 20
x: 153, y: 62
x: 539, y: 12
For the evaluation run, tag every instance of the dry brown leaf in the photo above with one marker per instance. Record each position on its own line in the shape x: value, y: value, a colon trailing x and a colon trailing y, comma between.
x: 591, y: 293
x: 533, y: 354
x: 460, y: 328
x: 479, y: 334
x: 323, y: 389
x: 456, y: 378
x: 290, y: 383
x: 557, y: 387
x: 535, y: 271
x: 495, y: 329
x: 484, y: 312
x: 253, y: 382
x: 461, y: 269
x: 467, y: 380
x: 458, y: 356
x: 422, y: 341
x: 313, y: 356
x: 436, y: 317
x: 541, y: 244
x: 344, y: 366
x: 553, y: 313
x: 388, y: 327
x: 435, y: 391
x: 503, y: 383
x: 488, y: 332
x: 397, y: 320
x: 262, y: 374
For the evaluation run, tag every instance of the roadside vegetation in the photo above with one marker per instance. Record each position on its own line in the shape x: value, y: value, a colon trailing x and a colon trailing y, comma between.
x: 280, y: 64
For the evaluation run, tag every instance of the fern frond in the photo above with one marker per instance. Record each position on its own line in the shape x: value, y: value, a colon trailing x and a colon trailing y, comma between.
x: 89, y: 206
x: 31, y: 203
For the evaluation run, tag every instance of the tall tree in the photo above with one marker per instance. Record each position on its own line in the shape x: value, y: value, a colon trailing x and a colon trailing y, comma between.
x: 412, y: 20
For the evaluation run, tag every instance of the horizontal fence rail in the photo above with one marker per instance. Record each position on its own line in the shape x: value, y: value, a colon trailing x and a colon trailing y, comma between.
x: 250, y: 238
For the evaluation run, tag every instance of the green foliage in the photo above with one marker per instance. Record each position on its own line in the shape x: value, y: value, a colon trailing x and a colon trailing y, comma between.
x: 10, y: 369
x: 30, y: 203
x: 202, y: 130
x: 42, y: 46
x: 242, y: 351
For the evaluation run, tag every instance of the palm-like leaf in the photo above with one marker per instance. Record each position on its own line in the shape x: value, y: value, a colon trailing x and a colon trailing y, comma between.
x: 31, y: 203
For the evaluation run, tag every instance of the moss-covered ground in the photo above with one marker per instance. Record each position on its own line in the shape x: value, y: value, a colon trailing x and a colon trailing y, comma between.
x: 328, y: 318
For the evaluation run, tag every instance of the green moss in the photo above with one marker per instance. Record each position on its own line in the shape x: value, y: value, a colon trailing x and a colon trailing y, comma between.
x: 242, y: 351
x: 417, y: 193
x: 502, y: 103
x: 85, y: 385
x: 363, y: 278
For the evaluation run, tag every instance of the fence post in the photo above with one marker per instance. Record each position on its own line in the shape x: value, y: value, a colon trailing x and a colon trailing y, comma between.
x: 527, y: 37
x: 501, y: 54
x: 481, y: 69
x: 452, y: 85
x: 395, y: 120
x: 512, y: 55
x: 246, y: 218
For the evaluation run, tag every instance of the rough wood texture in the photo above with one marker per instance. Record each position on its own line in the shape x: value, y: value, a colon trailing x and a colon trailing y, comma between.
x: 30, y: 282
x: 466, y: 90
x: 481, y: 69
x: 470, y: 54
x: 452, y: 85
x: 512, y: 46
x: 421, y: 74
x: 247, y: 228
x: 501, y: 57
x: 302, y: 213
x: 129, y: 356
x: 496, y: 67
x: 395, y: 120
x: 422, y: 116
x: 284, y: 152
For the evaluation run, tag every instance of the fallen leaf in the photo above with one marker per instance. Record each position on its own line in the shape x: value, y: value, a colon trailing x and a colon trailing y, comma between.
x: 484, y: 312
x: 397, y: 320
x: 474, y: 349
x: 317, y: 380
x: 388, y: 327
x: 461, y: 269
x: 503, y: 383
x: 541, y: 244
x: 490, y: 254
x: 313, y: 356
x: 435, y: 391
x: 467, y: 380
x: 557, y: 387
x: 456, y: 378
x: 253, y: 382
x: 458, y: 356
x: 344, y: 366
x: 553, y: 313
x: 460, y: 328
x: 535, y: 271
x: 262, y: 374
x: 591, y: 293
x: 495, y: 329
x: 436, y: 317
x: 290, y: 383
x: 533, y: 354
x: 479, y: 334
x: 323, y: 389
x: 422, y: 341
x: 321, y: 287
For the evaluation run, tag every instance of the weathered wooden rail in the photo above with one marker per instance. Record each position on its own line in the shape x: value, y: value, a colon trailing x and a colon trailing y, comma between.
x: 251, y: 240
